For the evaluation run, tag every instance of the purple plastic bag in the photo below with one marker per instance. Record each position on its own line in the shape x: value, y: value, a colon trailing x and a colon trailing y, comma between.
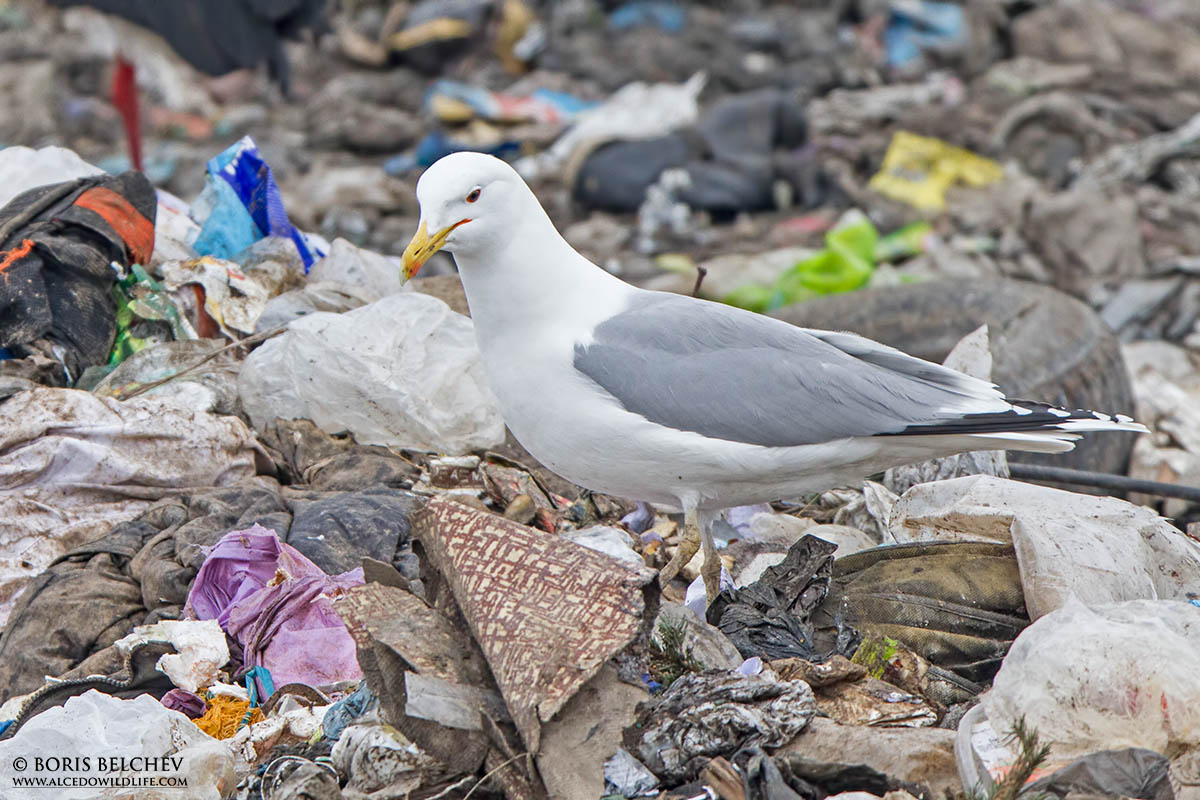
x: 190, y: 705
x: 277, y: 604
x: 293, y: 631
x: 238, y: 566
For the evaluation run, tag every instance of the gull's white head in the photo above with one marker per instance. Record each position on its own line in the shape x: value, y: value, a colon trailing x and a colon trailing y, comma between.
x: 469, y: 201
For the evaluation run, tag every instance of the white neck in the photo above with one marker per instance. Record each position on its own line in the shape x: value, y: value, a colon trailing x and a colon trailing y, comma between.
x: 529, y: 272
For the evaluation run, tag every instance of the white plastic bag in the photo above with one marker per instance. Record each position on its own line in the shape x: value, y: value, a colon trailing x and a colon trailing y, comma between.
x: 1099, y: 549
x: 1104, y: 678
x: 369, y: 272
x: 403, y: 371
x: 23, y: 168
x: 84, y: 741
x: 330, y: 296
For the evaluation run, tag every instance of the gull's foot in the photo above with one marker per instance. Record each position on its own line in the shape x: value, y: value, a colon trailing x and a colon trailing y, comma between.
x: 711, y: 572
x: 687, y: 549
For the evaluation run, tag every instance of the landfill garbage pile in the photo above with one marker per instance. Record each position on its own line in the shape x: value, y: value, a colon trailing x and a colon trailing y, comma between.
x: 268, y: 537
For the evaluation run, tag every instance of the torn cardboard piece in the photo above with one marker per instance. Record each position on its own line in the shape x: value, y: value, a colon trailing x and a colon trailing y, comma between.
x: 546, y: 613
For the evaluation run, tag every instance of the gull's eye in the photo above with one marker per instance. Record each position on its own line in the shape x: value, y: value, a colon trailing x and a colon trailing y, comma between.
x: 474, y: 195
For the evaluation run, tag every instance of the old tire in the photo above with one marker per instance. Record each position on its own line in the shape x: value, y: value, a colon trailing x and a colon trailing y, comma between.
x: 1046, y: 346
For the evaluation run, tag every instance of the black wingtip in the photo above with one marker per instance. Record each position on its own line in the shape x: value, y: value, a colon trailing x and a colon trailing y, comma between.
x: 1025, y: 417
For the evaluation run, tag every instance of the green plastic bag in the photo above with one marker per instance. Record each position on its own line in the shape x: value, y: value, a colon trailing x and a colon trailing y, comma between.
x: 140, y: 297
x: 846, y: 264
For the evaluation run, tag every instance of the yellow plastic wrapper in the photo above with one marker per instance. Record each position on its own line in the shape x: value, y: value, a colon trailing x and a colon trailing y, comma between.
x: 918, y: 170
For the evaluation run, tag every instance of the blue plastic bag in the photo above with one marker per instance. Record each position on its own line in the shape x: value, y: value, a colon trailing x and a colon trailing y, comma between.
x: 922, y: 25
x: 247, y: 206
x: 345, y: 711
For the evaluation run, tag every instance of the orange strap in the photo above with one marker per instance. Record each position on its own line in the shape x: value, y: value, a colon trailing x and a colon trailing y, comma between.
x: 16, y: 254
x: 134, y: 229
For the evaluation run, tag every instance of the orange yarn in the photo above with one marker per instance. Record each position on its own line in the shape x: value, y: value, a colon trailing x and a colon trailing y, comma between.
x: 226, y: 715
x: 14, y: 255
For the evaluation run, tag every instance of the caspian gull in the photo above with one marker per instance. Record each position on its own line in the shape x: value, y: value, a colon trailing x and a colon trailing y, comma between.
x: 685, y: 402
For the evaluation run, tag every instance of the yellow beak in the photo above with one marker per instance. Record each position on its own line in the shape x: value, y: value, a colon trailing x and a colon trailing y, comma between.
x: 422, y: 247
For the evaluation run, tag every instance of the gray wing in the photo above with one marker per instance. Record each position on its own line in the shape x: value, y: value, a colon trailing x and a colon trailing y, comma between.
x: 726, y: 373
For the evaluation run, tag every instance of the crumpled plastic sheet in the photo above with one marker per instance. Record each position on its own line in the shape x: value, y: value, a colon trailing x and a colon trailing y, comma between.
x: 233, y: 297
x: 629, y: 777
x: 770, y: 618
x: 212, y: 387
x: 379, y: 756
x: 252, y: 744
x: 73, y: 464
x: 95, y: 725
x: 277, y: 604
x: 24, y: 168
x: 1099, y: 549
x: 315, y: 296
x: 608, y: 540
x: 404, y: 371
x: 713, y: 714
x: 1132, y: 772
x: 1106, y: 677
x: 373, y: 274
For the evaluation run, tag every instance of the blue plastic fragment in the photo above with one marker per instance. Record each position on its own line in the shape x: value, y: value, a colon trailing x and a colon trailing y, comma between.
x: 259, y: 686
x: 248, y: 206
x: 438, y: 144
x: 565, y: 102
x: 668, y: 17
x: 400, y: 164
x: 921, y: 25
x: 541, y: 105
